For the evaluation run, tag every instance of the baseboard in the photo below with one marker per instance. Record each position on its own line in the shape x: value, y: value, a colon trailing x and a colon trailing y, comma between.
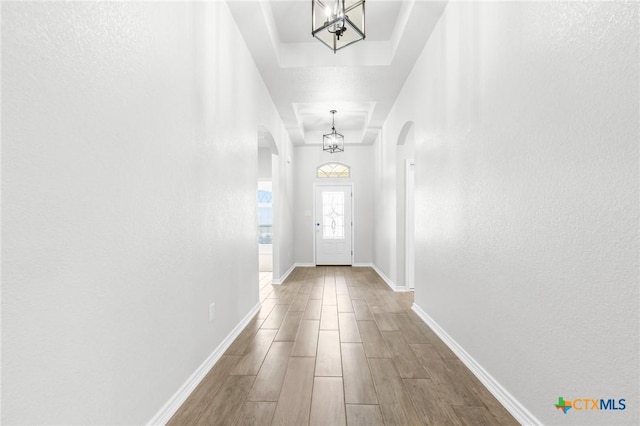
x: 510, y: 403
x: 389, y: 281
x: 386, y: 279
x: 278, y: 281
x: 171, y: 406
x: 305, y: 265
x: 362, y: 265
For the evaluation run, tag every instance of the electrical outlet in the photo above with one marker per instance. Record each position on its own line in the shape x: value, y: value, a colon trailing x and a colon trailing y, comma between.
x: 212, y: 312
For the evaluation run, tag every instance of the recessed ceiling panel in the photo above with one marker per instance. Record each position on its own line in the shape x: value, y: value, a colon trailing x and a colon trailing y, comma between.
x: 350, y: 116
x: 348, y: 120
x: 293, y: 21
x: 306, y: 80
x: 381, y: 18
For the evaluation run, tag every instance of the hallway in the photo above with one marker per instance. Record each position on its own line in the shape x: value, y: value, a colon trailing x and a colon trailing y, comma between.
x: 491, y: 149
x: 334, y: 345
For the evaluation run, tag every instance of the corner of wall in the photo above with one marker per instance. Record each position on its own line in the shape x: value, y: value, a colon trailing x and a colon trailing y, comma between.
x: 283, y: 277
x: 167, y: 411
x: 510, y: 403
x: 392, y: 285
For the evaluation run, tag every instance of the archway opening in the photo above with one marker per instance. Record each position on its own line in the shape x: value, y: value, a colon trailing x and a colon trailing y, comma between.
x: 405, y: 231
x: 266, y: 194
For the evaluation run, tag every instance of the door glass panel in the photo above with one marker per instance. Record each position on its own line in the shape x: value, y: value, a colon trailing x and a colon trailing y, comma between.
x: 333, y: 170
x: 333, y: 215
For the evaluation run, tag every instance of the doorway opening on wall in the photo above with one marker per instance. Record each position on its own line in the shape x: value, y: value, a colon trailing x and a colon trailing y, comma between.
x: 405, y: 229
x: 265, y: 226
x: 267, y: 204
x: 410, y: 170
x: 333, y: 223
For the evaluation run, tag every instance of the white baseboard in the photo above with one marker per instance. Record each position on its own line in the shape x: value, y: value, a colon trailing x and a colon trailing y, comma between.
x: 362, y: 265
x: 389, y: 281
x: 386, y: 279
x: 510, y: 403
x: 278, y: 281
x: 171, y: 406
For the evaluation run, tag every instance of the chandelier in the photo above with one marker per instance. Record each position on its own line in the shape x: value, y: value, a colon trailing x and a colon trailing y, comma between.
x: 337, y: 23
x: 334, y: 141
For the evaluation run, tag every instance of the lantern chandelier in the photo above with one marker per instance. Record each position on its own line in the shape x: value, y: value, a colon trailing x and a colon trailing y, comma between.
x: 337, y: 23
x: 334, y: 141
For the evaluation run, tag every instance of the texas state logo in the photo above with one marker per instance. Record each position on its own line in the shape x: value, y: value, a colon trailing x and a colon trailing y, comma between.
x: 563, y: 405
x: 590, y: 404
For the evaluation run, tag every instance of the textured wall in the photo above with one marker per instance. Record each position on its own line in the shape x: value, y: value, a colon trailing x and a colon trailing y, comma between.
x: 386, y: 174
x: 129, y: 170
x: 527, y: 129
x: 283, y: 207
x: 360, y: 159
x: 264, y: 163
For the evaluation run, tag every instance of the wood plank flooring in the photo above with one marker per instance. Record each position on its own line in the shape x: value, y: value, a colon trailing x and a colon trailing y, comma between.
x: 335, y: 346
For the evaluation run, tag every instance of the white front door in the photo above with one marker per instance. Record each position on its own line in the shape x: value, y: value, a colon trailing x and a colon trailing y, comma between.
x: 333, y: 224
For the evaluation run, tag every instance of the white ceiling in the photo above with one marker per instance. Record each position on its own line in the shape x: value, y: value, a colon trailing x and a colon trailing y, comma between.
x: 306, y: 79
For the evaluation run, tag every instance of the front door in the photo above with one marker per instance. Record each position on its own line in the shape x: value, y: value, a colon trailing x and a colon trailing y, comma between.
x: 333, y: 224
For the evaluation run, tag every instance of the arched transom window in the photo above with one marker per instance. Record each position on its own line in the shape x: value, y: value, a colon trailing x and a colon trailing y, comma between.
x: 333, y: 170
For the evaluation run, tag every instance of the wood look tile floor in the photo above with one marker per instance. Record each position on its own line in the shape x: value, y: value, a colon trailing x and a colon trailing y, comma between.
x: 335, y: 346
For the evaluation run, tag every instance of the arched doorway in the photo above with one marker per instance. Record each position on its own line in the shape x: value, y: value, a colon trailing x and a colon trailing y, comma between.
x: 405, y: 172
x: 267, y: 150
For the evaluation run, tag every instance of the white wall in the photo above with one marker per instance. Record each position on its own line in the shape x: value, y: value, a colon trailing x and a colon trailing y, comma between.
x: 276, y: 164
x: 129, y: 195
x: 385, y: 210
x: 283, y: 208
x: 360, y: 159
x: 404, y: 151
x: 392, y: 149
x: 264, y: 163
x: 527, y: 196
